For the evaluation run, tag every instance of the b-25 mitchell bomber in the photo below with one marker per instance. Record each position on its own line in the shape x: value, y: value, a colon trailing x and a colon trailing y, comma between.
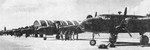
x: 117, y: 23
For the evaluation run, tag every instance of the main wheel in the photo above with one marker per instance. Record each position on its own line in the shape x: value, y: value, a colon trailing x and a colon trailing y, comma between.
x: 92, y: 42
x: 144, y: 40
x: 45, y: 38
x: 57, y: 36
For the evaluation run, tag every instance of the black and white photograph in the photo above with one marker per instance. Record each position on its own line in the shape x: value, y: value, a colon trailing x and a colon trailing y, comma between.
x: 74, y: 24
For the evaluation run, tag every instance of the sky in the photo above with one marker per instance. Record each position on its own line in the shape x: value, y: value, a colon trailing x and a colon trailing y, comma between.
x: 18, y: 13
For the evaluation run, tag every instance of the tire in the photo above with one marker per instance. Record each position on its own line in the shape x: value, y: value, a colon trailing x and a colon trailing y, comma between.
x: 92, y: 42
x: 45, y: 38
x: 144, y: 40
x: 57, y: 36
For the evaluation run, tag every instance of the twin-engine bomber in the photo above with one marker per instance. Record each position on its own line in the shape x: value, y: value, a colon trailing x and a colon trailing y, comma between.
x: 104, y: 23
x: 117, y: 23
x: 50, y: 27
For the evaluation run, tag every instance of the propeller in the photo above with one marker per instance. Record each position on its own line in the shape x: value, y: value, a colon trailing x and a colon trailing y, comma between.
x: 125, y: 13
x: 95, y: 14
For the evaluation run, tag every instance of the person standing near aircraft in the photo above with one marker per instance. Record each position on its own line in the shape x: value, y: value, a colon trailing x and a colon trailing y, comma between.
x: 113, y: 32
x: 57, y: 25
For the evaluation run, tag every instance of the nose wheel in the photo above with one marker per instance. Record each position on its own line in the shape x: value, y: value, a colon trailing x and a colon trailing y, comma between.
x: 92, y: 42
x: 144, y: 40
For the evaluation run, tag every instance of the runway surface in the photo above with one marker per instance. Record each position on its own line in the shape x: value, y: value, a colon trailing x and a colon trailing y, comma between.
x: 124, y: 42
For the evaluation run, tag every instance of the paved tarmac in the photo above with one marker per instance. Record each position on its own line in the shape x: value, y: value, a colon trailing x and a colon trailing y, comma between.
x: 124, y: 42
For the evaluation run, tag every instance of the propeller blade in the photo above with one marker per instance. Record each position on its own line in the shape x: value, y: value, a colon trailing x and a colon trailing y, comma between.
x: 128, y: 32
x: 95, y: 14
x: 125, y: 11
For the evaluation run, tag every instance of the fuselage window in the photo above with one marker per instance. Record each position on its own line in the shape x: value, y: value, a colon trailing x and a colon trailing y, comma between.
x: 64, y: 23
x: 69, y: 23
x: 75, y: 22
x: 50, y: 23
x: 36, y: 23
x: 43, y: 23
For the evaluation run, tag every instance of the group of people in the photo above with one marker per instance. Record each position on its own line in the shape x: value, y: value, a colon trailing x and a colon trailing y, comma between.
x: 67, y: 32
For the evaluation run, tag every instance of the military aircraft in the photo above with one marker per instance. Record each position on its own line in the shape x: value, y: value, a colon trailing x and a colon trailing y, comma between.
x: 42, y: 27
x: 7, y: 32
x: 28, y: 30
x: 117, y: 23
x: 49, y: 27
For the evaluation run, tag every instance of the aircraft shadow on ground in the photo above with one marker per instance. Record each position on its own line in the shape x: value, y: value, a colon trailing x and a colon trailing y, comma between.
x: 43, y: 37
x: 48, y: 39
x: 129, y: 44
x: 80, y: 39
x: 91, y: 39
x: 68, y: 40
x: 85, y: 39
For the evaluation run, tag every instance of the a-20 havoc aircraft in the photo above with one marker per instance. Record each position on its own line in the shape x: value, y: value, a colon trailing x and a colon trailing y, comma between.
x: 28, y: 30
x: 50, y: 27
x: 117, y: 23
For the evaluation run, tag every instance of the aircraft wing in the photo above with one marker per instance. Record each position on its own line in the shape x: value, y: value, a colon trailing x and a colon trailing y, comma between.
x: 116, y: 15
x: 70, y: 26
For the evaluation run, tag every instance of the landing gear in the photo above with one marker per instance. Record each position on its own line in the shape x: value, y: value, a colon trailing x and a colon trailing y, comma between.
x: 144, y: 40
x: 57, y: 36
x: 77, y: 36
x: 113, y: 39
x: 45, y: 38
x: 92, y: 42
